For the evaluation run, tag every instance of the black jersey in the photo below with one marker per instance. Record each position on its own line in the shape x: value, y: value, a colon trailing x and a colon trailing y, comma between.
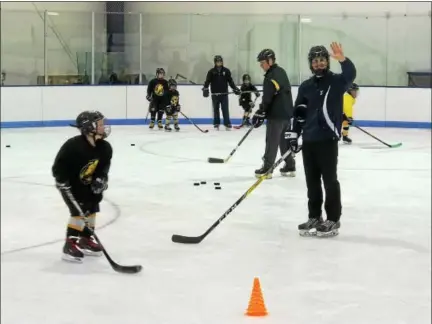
x: 246, y: 97
x: 157, y: 89
x: 173, y: 98
x: 78, y: 162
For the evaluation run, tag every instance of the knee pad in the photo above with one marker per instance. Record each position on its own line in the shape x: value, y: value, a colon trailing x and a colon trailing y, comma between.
x: 77, y: 223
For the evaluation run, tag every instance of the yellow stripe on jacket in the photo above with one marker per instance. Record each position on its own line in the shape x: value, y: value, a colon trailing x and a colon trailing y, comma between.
x: 348, y: 104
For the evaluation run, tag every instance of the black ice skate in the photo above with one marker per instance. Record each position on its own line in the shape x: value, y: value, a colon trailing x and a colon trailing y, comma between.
x: 176, y: 127
x: 71, y: 252
x: 216, y: 127
x: 152, y: 124
x: 346, y: 140
x: 89, y: 246
x: 228, y: 127
x: 328, y: 229
x: 159, y: 123
x: 309, y: 228
x: 168, y: 128
x: 262, y: 171
x: 288, y: 171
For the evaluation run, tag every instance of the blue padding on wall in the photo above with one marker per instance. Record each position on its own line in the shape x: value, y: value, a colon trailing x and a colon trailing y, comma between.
x: 202, y: 121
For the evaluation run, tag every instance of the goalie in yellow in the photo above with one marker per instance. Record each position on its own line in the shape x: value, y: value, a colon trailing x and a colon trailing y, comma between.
x: 349, y: 100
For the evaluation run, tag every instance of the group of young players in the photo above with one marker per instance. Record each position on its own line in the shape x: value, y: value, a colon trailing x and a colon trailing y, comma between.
x: 82, y: 164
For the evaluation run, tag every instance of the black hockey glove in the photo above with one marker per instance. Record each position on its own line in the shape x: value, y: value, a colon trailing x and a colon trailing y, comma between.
x: 99, y: 185
x: 177, y: 108
x: 149, y: 98
x: 169, y: 110
x: 350, y: 120
x: 292, y: 137
x: 259, y: 117
x: 206, y: 92
x: 237, y: 91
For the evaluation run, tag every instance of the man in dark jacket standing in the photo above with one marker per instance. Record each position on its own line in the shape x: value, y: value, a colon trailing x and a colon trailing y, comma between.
x: 218, y: 79
x: 318, y: 113
x: 277, y: 108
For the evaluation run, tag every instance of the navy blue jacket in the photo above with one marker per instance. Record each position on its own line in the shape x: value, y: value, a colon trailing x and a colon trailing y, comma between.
x: 323, y: 97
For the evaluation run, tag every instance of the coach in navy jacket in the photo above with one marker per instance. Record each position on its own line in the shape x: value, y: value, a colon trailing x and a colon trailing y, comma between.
x: 318, y: 115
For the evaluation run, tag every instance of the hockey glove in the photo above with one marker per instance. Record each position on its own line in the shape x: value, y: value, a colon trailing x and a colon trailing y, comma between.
x: 237, y: 91
x: 99, y: 185
x: 350, y: 120
x: 292, y: 138
x: 168, y: 110
x: 206, y: 92
x: 259, y: 117
x: 252, y: 104
x: 149, y: 98
x: 177, y: 108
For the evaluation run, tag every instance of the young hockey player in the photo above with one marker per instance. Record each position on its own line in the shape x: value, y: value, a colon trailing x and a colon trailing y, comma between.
x: 245, y: 100
x: 156, y: 94
x: 348, y: 104
x: 81, y: 174
x: 172, y: 106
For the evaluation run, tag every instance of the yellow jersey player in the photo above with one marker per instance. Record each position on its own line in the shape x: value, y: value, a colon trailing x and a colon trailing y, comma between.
x: 349, y: 101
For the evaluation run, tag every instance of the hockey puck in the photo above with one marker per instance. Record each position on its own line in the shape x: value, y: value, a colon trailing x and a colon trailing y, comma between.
x: 218, y: 188
x: 203, y: 182
x: 196, y: 184
x: 7, y: 145
x: 217, y: 184
x: 132, y: 144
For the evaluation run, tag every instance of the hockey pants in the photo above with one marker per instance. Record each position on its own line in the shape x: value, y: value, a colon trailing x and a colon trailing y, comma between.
x: 275, y: 138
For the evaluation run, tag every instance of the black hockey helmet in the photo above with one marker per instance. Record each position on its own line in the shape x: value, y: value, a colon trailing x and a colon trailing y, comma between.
x: 160, y: 71
x: 319, y: 52
x: 217, y: 59
x: 353, y: 87
x: 246, y: 78
x: 265, y: 55
x: 86, y: 122
x: 172, y: 83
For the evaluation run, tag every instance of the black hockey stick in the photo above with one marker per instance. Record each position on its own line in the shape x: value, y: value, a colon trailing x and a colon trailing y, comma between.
x: 217, y: 160
x: 117, y: 267
x: 197, y: 239
x: 374, y: 137
x: 191, y: 121
x: 232, y: 92
x: 248, y: 114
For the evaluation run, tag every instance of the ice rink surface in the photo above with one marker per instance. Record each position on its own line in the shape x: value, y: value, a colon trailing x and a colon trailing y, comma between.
x: 377, y: 271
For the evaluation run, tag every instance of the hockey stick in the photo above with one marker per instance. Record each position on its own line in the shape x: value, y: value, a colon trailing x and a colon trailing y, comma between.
x: 197, y: 239
x: 374, y: 137
x: 145, y: 121
x: 201, y: 130
x: 117, y: 267
x: 228, y: 93
x: 217, y: 160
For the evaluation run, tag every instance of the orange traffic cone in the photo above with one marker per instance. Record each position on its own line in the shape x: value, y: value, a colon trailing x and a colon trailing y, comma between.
x: 256, y: 303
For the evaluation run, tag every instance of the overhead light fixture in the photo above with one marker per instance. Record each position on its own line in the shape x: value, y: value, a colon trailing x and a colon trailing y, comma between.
x: 305, y: 20
x: 51, y: 13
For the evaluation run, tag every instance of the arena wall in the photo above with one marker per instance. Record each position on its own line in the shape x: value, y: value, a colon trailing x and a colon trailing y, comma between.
x: 127, y: 105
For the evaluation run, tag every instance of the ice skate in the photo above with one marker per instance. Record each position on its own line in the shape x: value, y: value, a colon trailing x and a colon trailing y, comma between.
x: 159, y: 123
x: 328, y: 229
x: 176, y: 127
x: 309, y: 228
x: 288, y: 171
x: 228, y: 127
x: 260, y: 172
x: 89, y: 246
x: 216, y: 127
x: 152, y: 124
x: 346, y: 140
x: 168, y: 128
x: 71, y: 252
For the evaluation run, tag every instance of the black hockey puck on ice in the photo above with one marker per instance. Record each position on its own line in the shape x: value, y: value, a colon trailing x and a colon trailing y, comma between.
x: 217, y: 184
x: 7, y: 145
x: 132, y: 144
x: 218, y: 188
x: 196, y: 184
x: 203, y: 182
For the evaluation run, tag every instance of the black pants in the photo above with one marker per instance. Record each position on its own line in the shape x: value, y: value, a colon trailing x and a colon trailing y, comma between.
x: 221, y: 101
x: 156, y: 107
x: 275, y: 138
x: 320, y: 161
x: 88, y: 205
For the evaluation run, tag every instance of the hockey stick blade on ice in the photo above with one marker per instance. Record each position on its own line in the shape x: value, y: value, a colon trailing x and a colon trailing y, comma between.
x: 379, y: 140
x: 217, y: 160
x: 117, y: 267
x: 201, y: 130
x: 197, y: 239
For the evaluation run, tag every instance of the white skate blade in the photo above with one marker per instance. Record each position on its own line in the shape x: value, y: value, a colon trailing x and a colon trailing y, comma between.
x: 91, y: 253
x: 270, y: 176
x: 308, y: 233
x: 290, y: 174
x: 332, y: 233
x: 70, y: 258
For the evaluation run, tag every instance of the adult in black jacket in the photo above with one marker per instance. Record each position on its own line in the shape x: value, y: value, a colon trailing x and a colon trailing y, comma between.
x: 318, y: 113
x: 218, y: 79
x: 277, y: 108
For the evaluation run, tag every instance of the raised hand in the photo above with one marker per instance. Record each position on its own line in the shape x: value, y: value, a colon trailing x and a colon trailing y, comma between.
x: 337, y: 52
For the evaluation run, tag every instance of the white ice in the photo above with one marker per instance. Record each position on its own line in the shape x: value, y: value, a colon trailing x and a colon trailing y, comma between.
x: 377, y: 271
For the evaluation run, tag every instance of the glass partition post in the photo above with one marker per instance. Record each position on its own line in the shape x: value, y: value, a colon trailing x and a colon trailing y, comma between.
x: 45, y: 48
x: 140, y: 49
x: 93, y: 48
